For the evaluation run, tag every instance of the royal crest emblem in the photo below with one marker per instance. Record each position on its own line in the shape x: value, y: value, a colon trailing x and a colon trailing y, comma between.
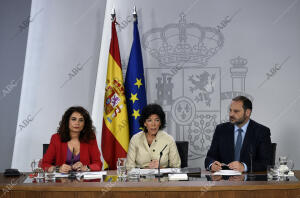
x: 113, y: 91
x: 186, y: 86
x: 204, y: 84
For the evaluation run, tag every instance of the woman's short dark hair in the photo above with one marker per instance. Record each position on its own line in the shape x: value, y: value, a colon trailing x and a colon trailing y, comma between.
x: 88, y: 131
x: 149, y: 110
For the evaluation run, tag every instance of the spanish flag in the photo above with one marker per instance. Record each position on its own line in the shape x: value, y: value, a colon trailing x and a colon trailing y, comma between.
x: 115, y: 130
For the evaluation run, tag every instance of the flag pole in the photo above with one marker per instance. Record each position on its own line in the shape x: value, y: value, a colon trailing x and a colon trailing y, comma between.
x: 134, y: 14
x: 113, y: 14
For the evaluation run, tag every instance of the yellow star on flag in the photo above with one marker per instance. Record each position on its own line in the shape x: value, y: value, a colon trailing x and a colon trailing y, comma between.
x: 138, y: 82
x: 136, y: 113
x: 133, y: 98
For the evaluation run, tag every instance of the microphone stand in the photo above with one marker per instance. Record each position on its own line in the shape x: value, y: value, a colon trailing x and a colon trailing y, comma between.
x: 72, y: 172
x: 251, y: 175
x: 160, y: 155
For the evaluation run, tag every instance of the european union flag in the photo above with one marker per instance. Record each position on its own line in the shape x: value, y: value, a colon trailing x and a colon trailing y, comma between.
x: 135, y: 89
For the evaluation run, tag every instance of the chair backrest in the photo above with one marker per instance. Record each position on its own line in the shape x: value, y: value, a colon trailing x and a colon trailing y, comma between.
x: 183, y: 148
x: 273, y: 158
x: 45, y: 148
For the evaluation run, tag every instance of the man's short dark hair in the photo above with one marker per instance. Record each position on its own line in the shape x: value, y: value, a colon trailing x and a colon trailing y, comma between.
x: 247, y: 104
x: 149, y: 110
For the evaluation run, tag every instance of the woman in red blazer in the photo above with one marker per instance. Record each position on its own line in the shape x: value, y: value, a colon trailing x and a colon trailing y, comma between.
x: 74, y: 146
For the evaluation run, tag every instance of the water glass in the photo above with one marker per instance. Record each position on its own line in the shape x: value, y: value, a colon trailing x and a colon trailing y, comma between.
x: 134, y: 174
x: 273, y: 172
x: 36, y: 167
x: 121, y: 167
x: 285, y: 165
x: 50, y: 176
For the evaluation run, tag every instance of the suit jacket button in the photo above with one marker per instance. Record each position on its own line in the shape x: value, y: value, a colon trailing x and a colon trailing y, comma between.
x: 153, y: 150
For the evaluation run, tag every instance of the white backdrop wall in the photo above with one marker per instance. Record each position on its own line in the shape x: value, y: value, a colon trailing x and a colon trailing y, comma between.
x: 197, y: 56
x: 61, y: 60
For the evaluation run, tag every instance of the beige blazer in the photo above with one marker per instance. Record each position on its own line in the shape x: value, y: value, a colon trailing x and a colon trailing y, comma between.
x: 140, y: 154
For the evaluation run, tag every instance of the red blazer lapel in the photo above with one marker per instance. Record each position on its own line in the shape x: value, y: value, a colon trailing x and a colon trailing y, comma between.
x: 84, y: 155
x: 64, y: 147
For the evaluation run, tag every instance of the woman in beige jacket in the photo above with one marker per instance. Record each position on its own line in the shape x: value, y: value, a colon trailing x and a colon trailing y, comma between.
x: 145, y: 146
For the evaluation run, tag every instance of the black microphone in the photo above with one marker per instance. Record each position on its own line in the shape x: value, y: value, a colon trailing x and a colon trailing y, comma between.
x: 160, y: 155
x: 72, y: 173
x: 72, y: 157
x: 251, y: 152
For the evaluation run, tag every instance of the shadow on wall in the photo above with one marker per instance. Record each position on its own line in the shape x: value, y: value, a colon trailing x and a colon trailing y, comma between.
x: 13, y: 14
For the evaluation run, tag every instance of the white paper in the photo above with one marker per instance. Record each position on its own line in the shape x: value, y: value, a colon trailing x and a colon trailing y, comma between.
x: 162, y: 171
x: 95, y: 173
x: 170, y: 170
x: 227, y: 172
x: 84, y: 174
x: 178, y: 177
x: 61, y: 174
x: 92, y: 176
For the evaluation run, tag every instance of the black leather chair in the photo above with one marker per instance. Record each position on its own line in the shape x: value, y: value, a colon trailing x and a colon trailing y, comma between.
x: 183, y: 148
x: 273, y: 158
x: 45, y: 148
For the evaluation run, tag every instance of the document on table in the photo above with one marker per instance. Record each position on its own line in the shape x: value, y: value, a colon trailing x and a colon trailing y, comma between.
x: 85, y: 175
x: 61, y: 175
x: 93, y: 175
x: 162, y: 171
x: 174, y: 177
x: 227, y: 172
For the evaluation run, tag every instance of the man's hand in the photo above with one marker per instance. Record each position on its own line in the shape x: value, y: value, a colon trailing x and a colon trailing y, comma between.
x: 216, y: 166
x: 236, y: 165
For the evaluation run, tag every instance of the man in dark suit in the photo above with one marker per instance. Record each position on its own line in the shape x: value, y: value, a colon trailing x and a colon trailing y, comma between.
x: 233, y: 142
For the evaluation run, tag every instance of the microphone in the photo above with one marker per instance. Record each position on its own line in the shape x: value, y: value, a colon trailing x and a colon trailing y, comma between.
x: 251, y: 152
x: 160, y: 155
x: 72, y: 158
x: 72, y: 172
